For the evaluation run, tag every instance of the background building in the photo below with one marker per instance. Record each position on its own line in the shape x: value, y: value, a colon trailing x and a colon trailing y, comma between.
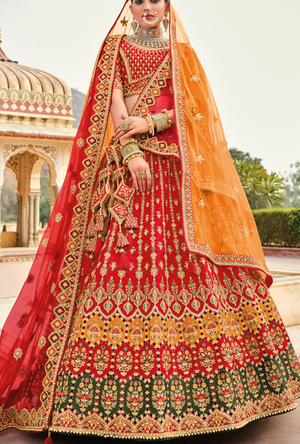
x: 36, y: 120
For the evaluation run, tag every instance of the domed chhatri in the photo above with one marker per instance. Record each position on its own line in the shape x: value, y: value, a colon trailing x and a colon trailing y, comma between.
x: 36, y: 119
x: 29, y: 93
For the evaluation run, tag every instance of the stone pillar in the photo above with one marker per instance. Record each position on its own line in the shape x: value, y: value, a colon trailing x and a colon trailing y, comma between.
x: 36, y: 225
x: 31, y: 221
x: 19, y: 220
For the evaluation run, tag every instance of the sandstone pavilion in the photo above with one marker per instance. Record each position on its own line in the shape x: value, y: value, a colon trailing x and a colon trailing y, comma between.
x: 36, y: 119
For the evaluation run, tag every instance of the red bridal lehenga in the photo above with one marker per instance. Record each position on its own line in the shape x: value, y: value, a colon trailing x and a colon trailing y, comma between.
x: 147, y: 315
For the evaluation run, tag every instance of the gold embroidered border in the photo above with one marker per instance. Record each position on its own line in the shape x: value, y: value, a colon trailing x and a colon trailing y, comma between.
x: 141, y: 107
x: 68, y: 284
x: 187, y: 210
x: 183, y: 427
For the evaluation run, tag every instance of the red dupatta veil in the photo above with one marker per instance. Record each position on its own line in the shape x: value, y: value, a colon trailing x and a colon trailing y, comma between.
x: 35, y: 334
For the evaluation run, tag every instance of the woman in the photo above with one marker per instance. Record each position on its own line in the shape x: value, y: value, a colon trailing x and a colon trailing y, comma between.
x: 146, y: 313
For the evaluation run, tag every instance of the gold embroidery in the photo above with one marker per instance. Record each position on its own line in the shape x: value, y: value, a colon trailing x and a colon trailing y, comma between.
x: 194, y: 78
x: 124, y: 21
x: 201, y: 203
x: 246, y: 233
x: 80, y: 143
x: 18, y: 353
x: 58, y: 217
x: 45, y: 242
x: 42, y: 342
x: 199, y: 158
x: 53, y: 288
x: 69, y: 284
x: 198, y: 117
x: 73, y: 189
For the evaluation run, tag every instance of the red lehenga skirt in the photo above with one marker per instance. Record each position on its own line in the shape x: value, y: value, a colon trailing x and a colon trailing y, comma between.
x: 174, y: 345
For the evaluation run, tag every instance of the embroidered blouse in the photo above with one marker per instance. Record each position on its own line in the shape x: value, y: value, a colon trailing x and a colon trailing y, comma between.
x: 135, y: 66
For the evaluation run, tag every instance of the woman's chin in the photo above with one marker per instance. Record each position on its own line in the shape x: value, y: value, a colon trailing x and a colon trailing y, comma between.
x: 149, y: 25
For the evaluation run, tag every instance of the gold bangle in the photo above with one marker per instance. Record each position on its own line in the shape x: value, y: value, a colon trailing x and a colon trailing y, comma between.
x: 168, y: 117
x: 161, y: 122
x: 129, y: 149
x: 151, y: 126
x: 127, y: 142
x: 132, y: 156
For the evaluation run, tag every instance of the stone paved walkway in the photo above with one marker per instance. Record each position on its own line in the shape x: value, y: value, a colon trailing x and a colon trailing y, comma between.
x: 281, y: 429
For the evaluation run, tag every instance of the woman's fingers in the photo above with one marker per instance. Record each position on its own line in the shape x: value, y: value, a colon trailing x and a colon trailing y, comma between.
x: 140, y: 173
x: 138, y: 125
x: 140, y: 181
x: 135, y: 182
x: 148, y: 180
x: 127, y: 135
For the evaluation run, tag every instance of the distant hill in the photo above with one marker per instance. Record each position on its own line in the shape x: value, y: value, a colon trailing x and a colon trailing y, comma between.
x: 78, y: 102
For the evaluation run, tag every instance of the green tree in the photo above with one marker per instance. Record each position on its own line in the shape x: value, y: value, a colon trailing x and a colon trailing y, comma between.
x: 9, y: 206
x: 45, y: 195
x: 293, y: 186
x: 263, y: 190
x: 240, y: 155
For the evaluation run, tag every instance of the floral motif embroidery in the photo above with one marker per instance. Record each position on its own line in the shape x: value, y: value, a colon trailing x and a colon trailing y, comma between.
x: 58, y: 217
x: 18, y: 353
x: 198, y: 117
x: 42, y: 342
x: 80, y: 143
x: 194, y: 78
x: 45, y: 242
x: 84, y: 398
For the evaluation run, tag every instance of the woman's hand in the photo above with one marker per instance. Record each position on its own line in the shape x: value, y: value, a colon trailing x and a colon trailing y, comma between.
x: 138, y: 125
x: 136, y: 166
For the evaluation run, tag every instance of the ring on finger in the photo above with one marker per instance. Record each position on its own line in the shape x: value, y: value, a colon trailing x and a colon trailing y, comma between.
x: 142, y: 175
x: 124, y: 125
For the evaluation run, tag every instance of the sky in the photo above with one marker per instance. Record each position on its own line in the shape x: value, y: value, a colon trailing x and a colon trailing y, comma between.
x: 250, y: 50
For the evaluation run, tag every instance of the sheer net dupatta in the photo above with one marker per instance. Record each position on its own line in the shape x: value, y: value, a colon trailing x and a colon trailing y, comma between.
x: 35, y: 334
x: 218, y: 221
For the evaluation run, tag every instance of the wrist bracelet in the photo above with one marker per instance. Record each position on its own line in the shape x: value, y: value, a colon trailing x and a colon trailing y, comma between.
x: 151, y: 126
x: 167, y: 115
x: 161, y: 122
x: 129, y: 149
x: 132, y: 156
x: 127, y: 142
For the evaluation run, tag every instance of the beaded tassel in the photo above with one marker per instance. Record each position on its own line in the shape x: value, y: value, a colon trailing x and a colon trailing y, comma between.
x: 123, y: 262
x: 99, y: 221
x: 92, y: 229
x: 191, y: 266
x: 131, y: 221
x: 122, y: 240
x: 91, y: 246
x: 48, y: 440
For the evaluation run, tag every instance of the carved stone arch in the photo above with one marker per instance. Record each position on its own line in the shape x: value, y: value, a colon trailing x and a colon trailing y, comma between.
x: 38, y: 97
x: 49, y: 98
x: 13, y: 164
x: 52, y: 173
x: 26, y: 96
x: 3, y: 93
x: 35, y: 176
x: 59, y: 99
x: 14, y: 94
x: 69, y: 101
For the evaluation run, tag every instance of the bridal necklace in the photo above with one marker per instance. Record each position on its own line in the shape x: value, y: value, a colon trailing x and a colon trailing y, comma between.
x: 149, y: 37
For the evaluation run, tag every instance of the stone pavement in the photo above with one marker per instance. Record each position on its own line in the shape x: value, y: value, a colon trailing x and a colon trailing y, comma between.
x: 282, y: 429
